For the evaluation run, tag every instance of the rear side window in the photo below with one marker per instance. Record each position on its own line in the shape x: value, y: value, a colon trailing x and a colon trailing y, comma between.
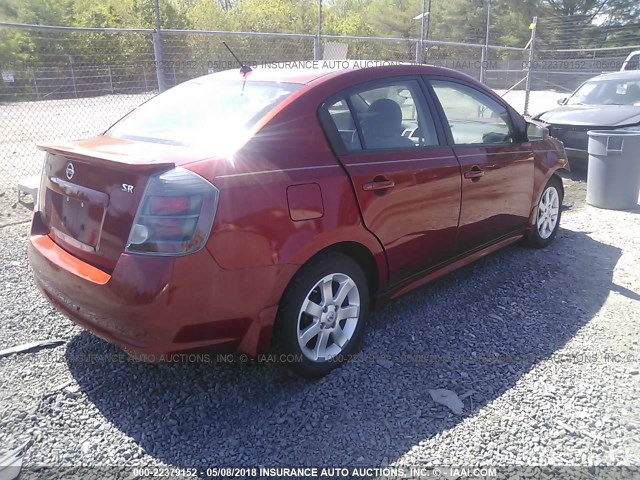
x: 381, y: 117
x: 474, y: 118
x: 633, y: 62
x: 343, y: 121
x: 394, y: 116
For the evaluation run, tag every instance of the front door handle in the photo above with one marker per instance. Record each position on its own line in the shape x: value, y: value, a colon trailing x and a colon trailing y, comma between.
x: 475, y: 172
x: 382, y: 184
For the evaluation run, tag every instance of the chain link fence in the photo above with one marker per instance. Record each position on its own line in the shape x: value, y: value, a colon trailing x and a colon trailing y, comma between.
x: 84, y: 79
x: 569, y: 52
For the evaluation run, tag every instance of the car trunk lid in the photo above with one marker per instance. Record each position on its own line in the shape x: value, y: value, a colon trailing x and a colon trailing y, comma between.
x: 91, y: 190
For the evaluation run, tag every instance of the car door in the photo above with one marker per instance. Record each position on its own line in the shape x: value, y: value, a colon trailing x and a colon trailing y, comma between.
x: 497, y: 164
x: 406, y: 180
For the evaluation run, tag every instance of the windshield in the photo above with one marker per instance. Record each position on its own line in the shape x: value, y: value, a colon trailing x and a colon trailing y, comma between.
x: 202, y: 113
x: 607, y: 92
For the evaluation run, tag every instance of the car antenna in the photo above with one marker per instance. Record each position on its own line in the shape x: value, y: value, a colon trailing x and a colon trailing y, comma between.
x: 244, y: 69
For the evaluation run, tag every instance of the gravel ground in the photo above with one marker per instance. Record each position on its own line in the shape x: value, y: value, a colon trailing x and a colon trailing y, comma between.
x: 541, y: 344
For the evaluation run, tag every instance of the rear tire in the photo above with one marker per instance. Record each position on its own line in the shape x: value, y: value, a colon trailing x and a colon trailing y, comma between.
x: 547, y: 220
x: 322, y: 314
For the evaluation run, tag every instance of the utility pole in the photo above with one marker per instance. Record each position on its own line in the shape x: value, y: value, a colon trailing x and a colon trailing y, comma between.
x: 424, y: 30
x: 157, y: 50
x: 532, y: 46
x: 317, y: 44
x: 423, y: 24
x: 485, y: 48
x: 427, y: 22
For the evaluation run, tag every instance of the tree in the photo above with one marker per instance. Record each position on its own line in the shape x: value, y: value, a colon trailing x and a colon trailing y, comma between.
x: 38, y: 12
x: 285, y: 16
x: 347, y: 17
x: 394, y: 18
x: 590, y: 23
x: 209, y: 15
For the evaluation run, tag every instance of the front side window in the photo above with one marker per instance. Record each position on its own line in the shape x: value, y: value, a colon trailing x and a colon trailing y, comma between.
x: 474, y: 117
x: 202, y: 113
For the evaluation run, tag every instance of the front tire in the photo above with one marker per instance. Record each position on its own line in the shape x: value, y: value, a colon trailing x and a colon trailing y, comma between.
x: 322, y: 314
x: 547, y: 221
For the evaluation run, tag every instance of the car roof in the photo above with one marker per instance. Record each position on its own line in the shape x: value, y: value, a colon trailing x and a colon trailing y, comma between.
x: 307, y: 71
x: 302, y: 72
x: 625, y: 75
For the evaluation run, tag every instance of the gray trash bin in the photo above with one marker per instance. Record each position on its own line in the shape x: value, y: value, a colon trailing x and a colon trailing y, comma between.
x: 613, y: 178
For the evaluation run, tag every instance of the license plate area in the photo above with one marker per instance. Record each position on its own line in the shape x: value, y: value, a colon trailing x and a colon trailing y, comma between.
x: 74, y: 221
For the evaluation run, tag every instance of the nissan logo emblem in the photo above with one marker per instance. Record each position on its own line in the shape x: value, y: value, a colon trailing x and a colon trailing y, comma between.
x: 70, y: 171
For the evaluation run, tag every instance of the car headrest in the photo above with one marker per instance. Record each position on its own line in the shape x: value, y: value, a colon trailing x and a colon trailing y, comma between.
x: 383, y: 118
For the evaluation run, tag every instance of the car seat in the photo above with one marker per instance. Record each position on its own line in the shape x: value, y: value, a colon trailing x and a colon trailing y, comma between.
x: 382, y: 127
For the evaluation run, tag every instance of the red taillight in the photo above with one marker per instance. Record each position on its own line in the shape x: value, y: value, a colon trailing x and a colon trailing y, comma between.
x: 176, y: 229
x: 158, y: 205
x: 175, y: 214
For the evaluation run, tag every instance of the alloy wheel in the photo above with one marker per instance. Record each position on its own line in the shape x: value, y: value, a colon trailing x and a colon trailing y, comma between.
x: 548, y: 211
x: 328, y: 317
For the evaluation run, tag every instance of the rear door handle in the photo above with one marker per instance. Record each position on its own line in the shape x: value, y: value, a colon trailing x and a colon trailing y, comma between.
x: 475, y: 172
x: 379, y: 185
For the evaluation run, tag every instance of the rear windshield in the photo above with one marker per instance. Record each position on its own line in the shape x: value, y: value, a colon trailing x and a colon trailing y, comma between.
x: 202, y: 113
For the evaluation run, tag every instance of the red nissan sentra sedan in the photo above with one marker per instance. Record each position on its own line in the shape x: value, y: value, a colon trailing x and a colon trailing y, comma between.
x: 282, y: 205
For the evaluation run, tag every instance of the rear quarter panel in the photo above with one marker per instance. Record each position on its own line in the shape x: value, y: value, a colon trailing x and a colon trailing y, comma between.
x: 254, y: 226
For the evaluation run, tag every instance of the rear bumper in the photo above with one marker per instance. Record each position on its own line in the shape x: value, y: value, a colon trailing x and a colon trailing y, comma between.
x: 155, y: 306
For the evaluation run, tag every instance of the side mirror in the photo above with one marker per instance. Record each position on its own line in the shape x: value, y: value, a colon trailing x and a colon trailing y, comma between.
x: 536, y: 130
x: 562, y: 101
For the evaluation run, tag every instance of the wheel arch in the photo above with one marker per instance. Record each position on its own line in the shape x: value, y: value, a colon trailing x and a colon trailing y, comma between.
x: 363, y: 257
x: 551, y: 173
x: 556, y: 174
x: 359, y: 253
